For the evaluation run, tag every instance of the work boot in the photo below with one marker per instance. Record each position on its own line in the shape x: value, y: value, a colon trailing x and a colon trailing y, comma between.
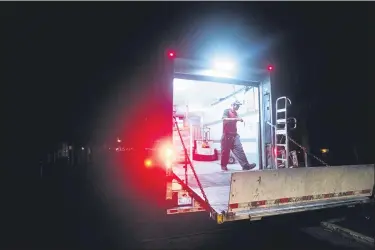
x: 249, y: 166
x: 224, y: 168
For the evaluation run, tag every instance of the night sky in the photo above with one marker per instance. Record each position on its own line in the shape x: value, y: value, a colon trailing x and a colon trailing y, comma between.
x: 64, y: 62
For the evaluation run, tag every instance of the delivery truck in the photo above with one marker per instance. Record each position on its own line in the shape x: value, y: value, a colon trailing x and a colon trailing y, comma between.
x: 191, y: 97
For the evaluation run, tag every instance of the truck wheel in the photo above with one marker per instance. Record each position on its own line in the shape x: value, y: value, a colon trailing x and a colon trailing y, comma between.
x: 232, y: 160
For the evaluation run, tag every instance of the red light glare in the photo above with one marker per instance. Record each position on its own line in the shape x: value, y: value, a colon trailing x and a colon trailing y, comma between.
x: 270, y: 68
x: 148, y: 163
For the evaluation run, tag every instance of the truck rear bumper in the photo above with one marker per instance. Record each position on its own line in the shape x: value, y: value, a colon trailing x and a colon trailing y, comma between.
x: 251, y: 195
x: 258, y: 213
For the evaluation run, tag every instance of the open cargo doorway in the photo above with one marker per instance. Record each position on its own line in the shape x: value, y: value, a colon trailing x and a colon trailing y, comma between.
x: 199, y: 106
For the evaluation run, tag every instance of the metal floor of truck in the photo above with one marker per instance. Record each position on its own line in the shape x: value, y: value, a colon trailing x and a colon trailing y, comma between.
x: 215, y: 182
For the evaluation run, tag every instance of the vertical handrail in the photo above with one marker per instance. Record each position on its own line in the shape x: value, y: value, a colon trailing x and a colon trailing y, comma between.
x: 287, y: 102
x: 284, y: 109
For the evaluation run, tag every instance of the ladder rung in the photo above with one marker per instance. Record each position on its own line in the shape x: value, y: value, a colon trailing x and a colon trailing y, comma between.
x: 281, y: 145
x: 281, y: 159
x: 281, y: 110
x: 280, y: 131
x: 281, y: 121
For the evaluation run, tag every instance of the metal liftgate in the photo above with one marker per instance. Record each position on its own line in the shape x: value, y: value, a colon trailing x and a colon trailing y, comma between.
x: 282, y: 190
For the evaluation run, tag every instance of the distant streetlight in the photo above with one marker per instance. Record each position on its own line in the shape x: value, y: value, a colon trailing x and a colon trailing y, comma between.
x: 324, y: 150
x: 83, y: 148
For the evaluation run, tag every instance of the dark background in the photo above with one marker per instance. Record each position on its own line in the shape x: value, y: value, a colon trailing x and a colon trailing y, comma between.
x: 66, y: 66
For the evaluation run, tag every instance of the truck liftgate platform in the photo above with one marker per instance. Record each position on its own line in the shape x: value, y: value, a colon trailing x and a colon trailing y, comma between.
x: 239, y: 195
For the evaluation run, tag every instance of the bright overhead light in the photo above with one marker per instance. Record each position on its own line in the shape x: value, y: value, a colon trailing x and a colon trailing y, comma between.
x: 224, y: 65
x: 181, y: 84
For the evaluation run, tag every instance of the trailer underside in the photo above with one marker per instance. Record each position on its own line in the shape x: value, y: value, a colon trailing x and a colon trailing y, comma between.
x: 251, y: 195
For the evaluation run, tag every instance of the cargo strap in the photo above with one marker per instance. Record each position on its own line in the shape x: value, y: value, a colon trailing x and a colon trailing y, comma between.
x: 191, y: 166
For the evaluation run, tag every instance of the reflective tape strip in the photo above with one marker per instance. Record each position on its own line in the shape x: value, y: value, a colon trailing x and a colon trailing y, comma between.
x: 185, y: 210
x: 366, y: 191
x: 282, y: 201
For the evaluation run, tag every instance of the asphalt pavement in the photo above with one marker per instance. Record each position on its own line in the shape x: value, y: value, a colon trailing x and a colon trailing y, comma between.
x: 89, y: 207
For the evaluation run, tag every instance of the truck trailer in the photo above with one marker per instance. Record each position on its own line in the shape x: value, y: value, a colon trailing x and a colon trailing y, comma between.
x: 192, y: 95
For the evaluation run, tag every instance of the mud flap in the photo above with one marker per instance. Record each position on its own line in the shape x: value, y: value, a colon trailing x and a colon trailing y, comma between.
x: 271, y: 192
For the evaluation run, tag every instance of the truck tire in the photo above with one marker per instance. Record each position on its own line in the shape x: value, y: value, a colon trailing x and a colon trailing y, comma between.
x: 232, y: 160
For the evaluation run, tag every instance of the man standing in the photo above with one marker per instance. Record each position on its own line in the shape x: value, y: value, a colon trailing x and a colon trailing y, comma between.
x: 231, y: 140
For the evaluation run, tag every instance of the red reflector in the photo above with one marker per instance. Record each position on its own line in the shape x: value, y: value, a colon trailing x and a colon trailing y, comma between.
x: 233, y: 206
x: 283, y: 200
x: 349, y: 193
x: 258, y: 203
x: 270, y: 67
x: 307, y: 198
x: 172, y: 211
x: 366, y: 191
x: 328, y: 195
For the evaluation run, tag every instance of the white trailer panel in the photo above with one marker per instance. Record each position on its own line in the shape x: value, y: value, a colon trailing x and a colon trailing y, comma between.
x: 270, y: 188
x: 238, y: 195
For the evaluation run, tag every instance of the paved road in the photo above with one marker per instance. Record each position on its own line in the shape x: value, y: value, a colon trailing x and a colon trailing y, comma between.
x: 92, y: 209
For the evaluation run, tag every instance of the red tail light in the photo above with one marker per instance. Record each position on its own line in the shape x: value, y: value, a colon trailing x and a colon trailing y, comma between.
x: 165, y: 153
x: 148, y: 163
x: 171, y: 54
